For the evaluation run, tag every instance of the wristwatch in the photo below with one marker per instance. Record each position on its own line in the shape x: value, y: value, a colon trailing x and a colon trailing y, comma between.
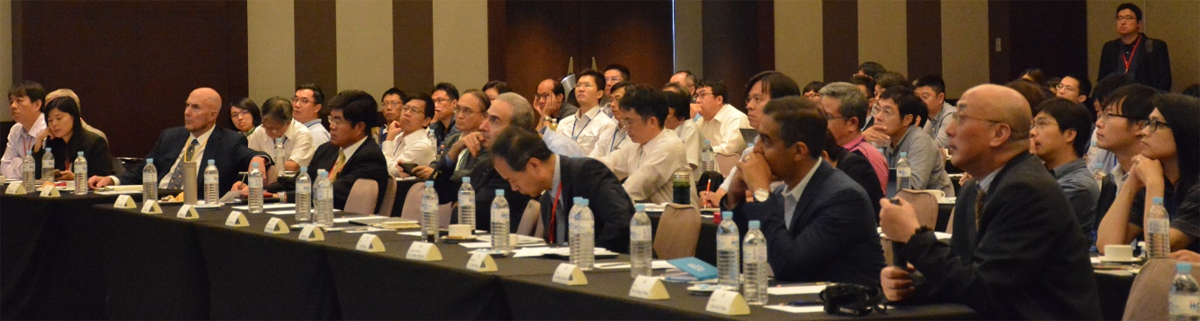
x: 761, y: 195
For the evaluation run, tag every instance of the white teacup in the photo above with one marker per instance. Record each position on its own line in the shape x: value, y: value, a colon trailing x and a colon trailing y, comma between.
x: 1118, y: 251
x: 460, y: 230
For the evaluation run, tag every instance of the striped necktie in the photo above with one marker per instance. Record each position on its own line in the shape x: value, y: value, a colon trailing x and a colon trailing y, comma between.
x: 177, y: 174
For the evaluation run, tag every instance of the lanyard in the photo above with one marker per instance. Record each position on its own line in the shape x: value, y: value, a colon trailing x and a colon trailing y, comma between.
x: 1129, y: 60
x: 553, y: 214
x: 575, y: 136
x: 614, y: 141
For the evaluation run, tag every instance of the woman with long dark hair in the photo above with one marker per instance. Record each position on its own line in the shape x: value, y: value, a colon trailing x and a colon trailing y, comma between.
x: 65, y: 137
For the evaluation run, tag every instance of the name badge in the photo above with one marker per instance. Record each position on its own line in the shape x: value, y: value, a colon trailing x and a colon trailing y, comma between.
x: 649, y: 288
x: 728, y: 303
x: 569, y: 274
x: 236, y: 219
x: 312, y: 233
x: 125, y: 201
x: 151, y: 207
x: 481, y: 262
x: 49, y: 191
x: 187, y: 212
x: 276, y: 226
x: 423, y: 251
x: 369, y: 243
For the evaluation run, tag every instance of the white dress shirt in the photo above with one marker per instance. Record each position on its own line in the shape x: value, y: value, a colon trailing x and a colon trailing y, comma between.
x: 723, y: 130
x: 318, y: 133
x: 586, y: 128
x: 413, y: 147
x: 196, y: 155
x: 20, y: 140
x: 648, y: 168
x: 610, y: 141
x: 691, y: 144
x: 297, y: 144
x: 792, y: 197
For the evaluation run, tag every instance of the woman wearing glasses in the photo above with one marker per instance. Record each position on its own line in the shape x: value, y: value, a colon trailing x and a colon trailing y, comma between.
x: 1168, y: 167
x: 245, y: 116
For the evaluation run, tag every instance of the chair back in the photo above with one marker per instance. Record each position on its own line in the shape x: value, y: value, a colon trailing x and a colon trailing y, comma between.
x: 950, y: 223
x: 725, y: 163
x: 445, y: 211
x: 678, y: 231
x: 389, y: 198
x: 271, y: 175
x: 1148, y: 295
x: 412, y: 203
x: 363, y: 197
x: 925, y: 203
x: 531, y: 221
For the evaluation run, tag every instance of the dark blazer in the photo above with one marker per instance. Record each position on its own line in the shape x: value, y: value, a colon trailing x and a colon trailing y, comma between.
x: 94, y: 148
x: 1028, y: 260
x: 860, y: 170
x: 611, y: 206
x: 367, y: 162
x: 833, y: 235
x: 486, y: 181
x: 1151, y: 62
x: 446, y: 180
x: 225, y: 146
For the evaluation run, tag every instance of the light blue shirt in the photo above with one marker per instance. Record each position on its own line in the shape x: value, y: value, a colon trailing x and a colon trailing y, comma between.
x: 560, y: 144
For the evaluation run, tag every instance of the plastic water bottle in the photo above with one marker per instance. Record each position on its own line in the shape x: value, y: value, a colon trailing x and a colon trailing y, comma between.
x: 212, y: 184
x: 1158, y: 237
x: 47, y: 166
x: 640, y: 243
x: 583, y: 230
x: 429, y: 215
x: 903, y: 173
x: 437, y: 148
x: 1184, y: 298
x: 256, y: 190
x: 1098, y: 173
x: 706, y: 157
x: 500, y: 243
x: 466, y: 204
x: 324, y: 201
x: 80, y: 168
x: 304, y: 189
x: 754, y: 265
x: 280, y: 157
x: 27, y: 171
x: 149, y: 181
x: 728, y: 249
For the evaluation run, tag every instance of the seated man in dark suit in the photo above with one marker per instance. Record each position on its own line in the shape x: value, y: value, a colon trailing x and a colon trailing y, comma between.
x: 819, y: 226
x: 557, y: 180
x: 1017, y: 250
x: 349, y: 155
x: 199, y: 140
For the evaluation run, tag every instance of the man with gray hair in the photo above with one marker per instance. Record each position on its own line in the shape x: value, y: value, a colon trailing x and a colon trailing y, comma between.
x: 845, y: 109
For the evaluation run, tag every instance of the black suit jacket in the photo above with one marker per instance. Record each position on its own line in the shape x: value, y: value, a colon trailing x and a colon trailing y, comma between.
x: 1028, y: 260
x: 486, y: 181
x: 1151, y: 62
x: 94, y: 148
x: 611, y: 206
x: 860, y: 170
x: 367, y: 162
x: 833, y: 236
x: 226, y: 147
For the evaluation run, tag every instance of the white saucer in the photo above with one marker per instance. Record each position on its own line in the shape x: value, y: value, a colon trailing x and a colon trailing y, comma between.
x: 1116, y: 260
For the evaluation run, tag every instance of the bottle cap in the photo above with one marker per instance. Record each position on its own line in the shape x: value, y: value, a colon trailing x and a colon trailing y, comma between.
x: 577, y: 199
x: 499, y: 192
x: 754, y: 224
x: 904, y: 154
x: 149, y: 161
x: 583, y: 201
x: 428, y: 183
x: 1183, y: 267
x: 304, y: 169
x: 254, y: 165
x: 48, y: 150
x: 80, y: 154
x: 212, y: 162
x: 466, y: 180
x: 322, y: 172
x: 726, y: 215
x: 640, y: 207
x: 1158, y: 201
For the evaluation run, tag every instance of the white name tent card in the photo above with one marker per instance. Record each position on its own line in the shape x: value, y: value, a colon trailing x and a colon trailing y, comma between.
x: 481, y: 262
x: 151, y: 207
x: 649, y: 288
x: 187, y: 212
x: 236, y: 219
x: 15, y: 188
x: 276, y: 226
x: 370, y: 243
x: 49, y: 191
x: 728, y: 303
x: 569, y: 274
x: 423, y: 251
x: 312, y: 233
x: 125, y: 201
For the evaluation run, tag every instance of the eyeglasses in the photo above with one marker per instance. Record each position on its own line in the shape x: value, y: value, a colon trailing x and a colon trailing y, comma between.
x: 238, y: 114
x: 699, y: 95
x: 613, y: 79
x: 337, y: 121
x: 412, y: 109
x: 465, y: 111
x: 392, y: 104
x: 1151, y: 124
x: 543, y: 96
x: 585, y: 85
x: 1042, y: 123
x: 1126, y: 18
x: 885, y: 112
x: 1105, y: 115
x: 302, y: 101
x: 1065, y: 87
x: 440, y: 101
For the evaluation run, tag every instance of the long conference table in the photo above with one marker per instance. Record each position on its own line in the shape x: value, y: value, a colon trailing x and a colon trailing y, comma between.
x: 77, y: 257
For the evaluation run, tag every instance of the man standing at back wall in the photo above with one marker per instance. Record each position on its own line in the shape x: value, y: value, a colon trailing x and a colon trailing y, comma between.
x: 1144, y: 58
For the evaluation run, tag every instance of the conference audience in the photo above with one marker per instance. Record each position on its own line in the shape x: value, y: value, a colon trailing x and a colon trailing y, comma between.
x: 1096, y: 155
x: 1146, y: 59
x: 855, y: 166
x: 613, y: 74
x: 532, y: 170
x: 845, y: 107
x: 508, y: 110
x: 721, y: 123
x: 819, y: 225
x: 899, y: 117
x: 1034, y: 93
x: 278, y: 124
x: 393, y: 105
x: 618, y: 136
x: 587, y: 124
x: 1167, y: 167
x: 25, y: 101
x: 449, y: 168
x: 308, y: 108
x: 882, y: 81
x: 649, y: 163
x: 407, y: 144
x: 245, y: 115
x: 494, y: 88
x: 198, y: 140
x: 1076, y: 89
x: 678, y: 106
x: 812, y: 91
x: 687, y: 80
x: 67, y: 92
x: 1117, y: 132
x: 1016, y: 251
x: 550, y: 101
x: 445, y: 98
x: 932, y: 91
x: 1057, y: 137
x: 66, y: 137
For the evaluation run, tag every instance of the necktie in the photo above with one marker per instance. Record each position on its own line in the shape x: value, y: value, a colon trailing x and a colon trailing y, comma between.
x: 337, y: 167
x: 177, y: 175
x: 979, y: 199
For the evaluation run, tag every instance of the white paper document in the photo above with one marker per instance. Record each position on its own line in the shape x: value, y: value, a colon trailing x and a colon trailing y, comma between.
x: 792, y: 309
x: 796, y: 289
x: 655, y: 265
x: 268, y: 207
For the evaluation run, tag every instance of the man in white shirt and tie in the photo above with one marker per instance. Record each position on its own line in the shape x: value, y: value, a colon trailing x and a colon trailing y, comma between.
x: 647, y: 166
x: 586, y: 125
x: 408, y: 139
x: 25, y: 100
x: 307, y: 106
x: 721, y: 122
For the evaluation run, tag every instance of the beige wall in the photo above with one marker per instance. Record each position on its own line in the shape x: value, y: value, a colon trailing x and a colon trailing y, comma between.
x: 689, y: 36
x: 271, y: 33
x: 964, y: 45
x: 6, y: 53
x: 1173, y: 21
x: 364, y: 45
x: 799, y: 39
x: 460, y: 44
x: 883, y: 33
